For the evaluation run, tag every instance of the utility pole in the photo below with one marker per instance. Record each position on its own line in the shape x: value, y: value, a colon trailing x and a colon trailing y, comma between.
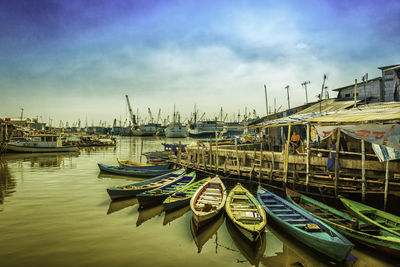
x: 322, y: 93
x: 288, y: 99
x: 305, y: 87
x: 365, y: 80
x: 266, y: 99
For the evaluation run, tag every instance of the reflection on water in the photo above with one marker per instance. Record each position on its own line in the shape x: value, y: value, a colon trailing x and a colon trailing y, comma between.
x: 116, y: 205
x: 7, y: 182
x: 175, y: 214
x: 54, y: 214
x: 147, y: 213
x: 252, y: 251
x: 204, y: 233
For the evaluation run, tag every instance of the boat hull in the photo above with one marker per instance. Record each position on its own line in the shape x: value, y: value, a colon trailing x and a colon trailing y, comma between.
x: 132, y: 172
x: 27, y: 149
x: 176, y: 132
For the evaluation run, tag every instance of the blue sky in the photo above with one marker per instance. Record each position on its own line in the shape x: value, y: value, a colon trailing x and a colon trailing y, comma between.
x: 77, y: 59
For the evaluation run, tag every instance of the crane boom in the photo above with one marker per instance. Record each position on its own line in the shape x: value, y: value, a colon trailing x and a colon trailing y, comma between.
x: 133, y: 118
x: 150, y: 115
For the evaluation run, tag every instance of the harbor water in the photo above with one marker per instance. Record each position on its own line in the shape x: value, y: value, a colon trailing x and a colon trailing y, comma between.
x: 55, y: 211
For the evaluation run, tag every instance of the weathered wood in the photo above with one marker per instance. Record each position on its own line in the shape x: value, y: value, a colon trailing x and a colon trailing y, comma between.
x: 216, y: 151
x: 363, y: 182
x: 237, y: 158
x: 308, y: 157
x: 210, y: 155
x: 386, y: 185
x: 286, y: 160
x: 337, y: 160
x: 261, y: 162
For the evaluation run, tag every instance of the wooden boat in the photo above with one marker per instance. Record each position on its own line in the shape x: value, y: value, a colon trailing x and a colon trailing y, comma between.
x: 203, y: 234
x: 158, y: 195
x: 304, y: 227
x: 133, y: 172
x: 145, y: 166
x: 132, y: 190
x: 182, y: 197
x: 382, y: 219
x: 252, y: 251
x: 39, y: 143
x: 245, y: 212
x: 208, y: 201
x: 359, y: 231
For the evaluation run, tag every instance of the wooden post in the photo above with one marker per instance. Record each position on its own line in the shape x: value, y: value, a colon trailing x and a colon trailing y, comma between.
x: 261, y: 160
x: 308, y: 157
x: 179, y: 153
x: 216, y: 152
x: 203, y: 160
x: 271, y: 173
x: 286, y: 159
x: 337, y: 160
x: 210, y: 156
x: 198, y: 156
x: 141, y: 150
x: 386, y: 185
x: 237, y: 158
x: 226, y: 159
x: 363, y: 181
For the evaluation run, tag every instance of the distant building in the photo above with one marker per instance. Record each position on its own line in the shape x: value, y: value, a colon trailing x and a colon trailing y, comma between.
x: 379, y: 89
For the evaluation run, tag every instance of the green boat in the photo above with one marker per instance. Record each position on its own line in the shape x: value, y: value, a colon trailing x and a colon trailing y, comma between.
x: 382, y: 219
x: 358, y: 231
x: 183, y: 196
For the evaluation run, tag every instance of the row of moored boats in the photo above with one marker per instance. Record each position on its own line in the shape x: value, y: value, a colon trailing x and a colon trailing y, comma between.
x: 317, y: 225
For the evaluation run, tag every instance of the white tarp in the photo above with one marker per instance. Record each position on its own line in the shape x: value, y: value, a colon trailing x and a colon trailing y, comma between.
x: 381, y: 134
x: 385, y: 153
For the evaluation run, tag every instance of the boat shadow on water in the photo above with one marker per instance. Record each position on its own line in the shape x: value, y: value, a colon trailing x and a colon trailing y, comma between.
x: 117, y: 205
x: 251, y: 250
x: 175, y: 214
x: 204, y: 233
x: 147, y: 213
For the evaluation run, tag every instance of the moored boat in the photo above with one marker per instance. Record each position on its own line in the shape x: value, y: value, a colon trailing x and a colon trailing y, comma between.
x: 245, y: 212
x: 183, y: 196
x: 39, y: 143
x: 143, y: 173
x: 382, y: 219
x: 132, y: 190
x: 344, y: 223
x: 304, y: 227
x: 208, y: 201
x: 158, y: 195
x: 136, y: 165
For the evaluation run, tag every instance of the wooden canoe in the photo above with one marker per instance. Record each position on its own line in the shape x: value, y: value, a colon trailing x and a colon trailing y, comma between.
x: 344, y: 223
x: 140, y: 173
x: 146, y: 166
x: 382, y: 219
x: 183, y: 196
x: 158, y: 195
x: 132, y: 190
x: 208, y: 201
x: 304, y: 227
x: 245, y: 212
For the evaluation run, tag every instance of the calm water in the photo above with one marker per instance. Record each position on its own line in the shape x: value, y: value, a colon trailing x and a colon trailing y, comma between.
x: 54, y: 211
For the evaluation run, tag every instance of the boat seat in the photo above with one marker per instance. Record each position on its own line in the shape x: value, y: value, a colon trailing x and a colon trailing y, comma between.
x: 243, y: 209
x: 367, y: 211
x: 248, y: 215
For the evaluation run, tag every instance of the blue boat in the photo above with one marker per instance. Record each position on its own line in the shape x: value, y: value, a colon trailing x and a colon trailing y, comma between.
x: 143, y: 166
x: 132, y: 190
x: 158, y: 195
x: 304, y: 227
x: 141, y: 173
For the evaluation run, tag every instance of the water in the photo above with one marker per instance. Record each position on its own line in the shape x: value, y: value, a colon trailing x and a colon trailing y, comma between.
x: 54, y: 211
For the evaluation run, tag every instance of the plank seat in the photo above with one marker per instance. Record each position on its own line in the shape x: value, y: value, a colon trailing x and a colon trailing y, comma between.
x: 238, y: 209
x: 322, y: 213
x: 310, y: 207
x: 280, y: 210
x: 367, y: 211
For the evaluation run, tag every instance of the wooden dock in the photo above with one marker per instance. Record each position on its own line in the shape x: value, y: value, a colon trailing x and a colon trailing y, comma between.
x: 360, y: 173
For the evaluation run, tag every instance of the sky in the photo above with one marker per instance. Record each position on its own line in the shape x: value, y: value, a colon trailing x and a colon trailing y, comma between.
x: 70, y: 60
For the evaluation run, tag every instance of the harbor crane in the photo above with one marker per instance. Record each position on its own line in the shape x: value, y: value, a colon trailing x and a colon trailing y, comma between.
x: 133, y: 118
x: 158, y: 115
x: 150, y: 115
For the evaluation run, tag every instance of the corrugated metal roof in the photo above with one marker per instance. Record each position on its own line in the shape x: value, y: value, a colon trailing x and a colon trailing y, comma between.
x: 327, y: 106
x: 362, y: 114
